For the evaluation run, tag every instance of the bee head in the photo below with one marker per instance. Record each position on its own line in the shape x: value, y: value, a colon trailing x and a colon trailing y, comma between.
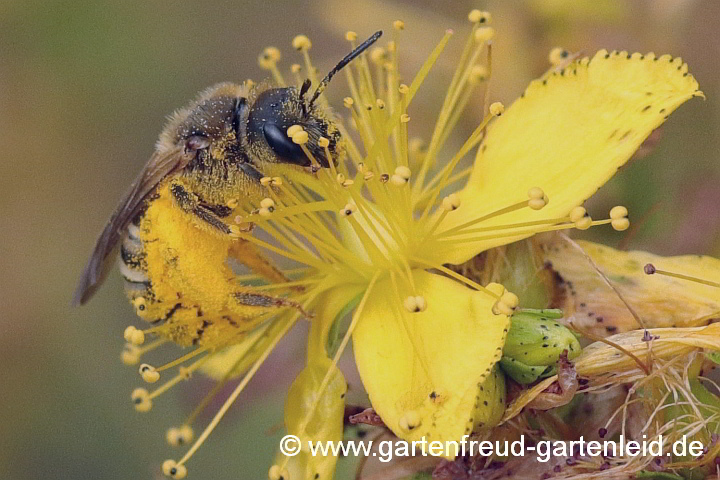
x: 275, y: 110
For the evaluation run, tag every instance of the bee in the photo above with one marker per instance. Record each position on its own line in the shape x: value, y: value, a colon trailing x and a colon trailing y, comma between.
x: 175, y: 226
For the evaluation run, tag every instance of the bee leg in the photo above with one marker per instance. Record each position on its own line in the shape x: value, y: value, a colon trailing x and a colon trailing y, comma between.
x: 190, y: 203
x: 251, y: 256
x: 247, y: 298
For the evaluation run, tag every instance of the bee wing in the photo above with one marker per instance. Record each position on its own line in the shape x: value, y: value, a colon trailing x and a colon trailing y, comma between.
x: 157, y: 168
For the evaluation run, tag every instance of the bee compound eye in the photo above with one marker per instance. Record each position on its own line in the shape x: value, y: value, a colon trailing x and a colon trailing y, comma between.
x: 196, y: 142
x: 283, y: 146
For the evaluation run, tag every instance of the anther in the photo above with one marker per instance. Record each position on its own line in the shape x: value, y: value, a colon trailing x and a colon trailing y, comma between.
x: 478, y: 73
x: 179, y: 436
x: 558, y: 55
x: 350, y: 36
x: 295, y: 68
x: 301, y: 137
x: 348, y: 102
x: 410, y: 421
x: 507, y: 304
x: 415, y: 304
x: 171, y: 469
x: 323, y: 142
x: 340, y: 178
x: 478, y: 16
x: 577, y: 214
x: 234, y: 229
x: 293, y: 129
x: 265, y: 181
x: 148, y: 373
x: 139, y: 304
x: 403, y: 171
x: 380, y: 103
x: 133, y: 335
x: 348, y: 210
x: 301, y: 42
x: 649, y: 269
x: 378, y: 55
x: 484, y: 34
x: 618, y: 217
x: 384, y: 178
x: 497, y: 109
x: 276, y: 181
x: 269, y: 58
x: 130, y: 355
x: 267, y: 203
x: 584, y: 223
x: 232, y: 203
x: 403, y: 88
x: 538, y: 199
x: 404, y: 118
x: 278, y: 473
x: 399, y: 25
x: 141, y: 400
x: 451, y: 202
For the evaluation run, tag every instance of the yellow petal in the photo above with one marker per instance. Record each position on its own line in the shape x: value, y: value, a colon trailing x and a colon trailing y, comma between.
x: 423, y: 370
x: 660, y: 301
x: 568, y: 135
x: 323, y: 424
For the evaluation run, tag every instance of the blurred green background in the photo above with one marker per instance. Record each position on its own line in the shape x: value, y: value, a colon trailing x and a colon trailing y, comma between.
x: 85, y: 87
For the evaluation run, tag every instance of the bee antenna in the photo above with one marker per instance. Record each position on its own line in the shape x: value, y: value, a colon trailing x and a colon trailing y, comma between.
x: 343, y: 63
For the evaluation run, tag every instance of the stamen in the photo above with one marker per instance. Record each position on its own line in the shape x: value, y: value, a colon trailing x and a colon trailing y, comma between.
x: 399, y: 25
x: 276, y: 472
x: 179, y: 436
x: 141, y: 399
x: 618, y: 215
x: 268, y: 60
x: 497, y: 109
x: 558, y: 56
x: 478, y: 16
x: 173, y: 470
x: 410, y: 420
x: 133, y: 335
x: 415, y: 304
x: 241, y: 386
x: 651, y: 270
x: 507, y: 304
x: 149, y: 373
x: 484, y: 34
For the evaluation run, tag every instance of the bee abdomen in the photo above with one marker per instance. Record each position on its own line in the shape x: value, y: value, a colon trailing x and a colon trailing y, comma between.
x: 133, y: 266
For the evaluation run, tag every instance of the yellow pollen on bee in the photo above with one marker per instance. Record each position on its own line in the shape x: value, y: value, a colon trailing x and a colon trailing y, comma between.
x: 301, y: 42
x: 232, y: 203
x: 479, y: 16
x: 350, y: 36
x: 451, y: 202
x: 141, y: 400
x: 577, y: 214
x: 276, y: 472
x: 149, y: 373
x: 497, y: 109
x: 235, y: 231
x: 174, y: 470
x: 323, y: 142
x: 399, y: 25
x: 348, y: 209
x: 484, y: 34
x: 410, y: 421
x: 348, y: 102
x: 558, y: 55
x: 132, y: 334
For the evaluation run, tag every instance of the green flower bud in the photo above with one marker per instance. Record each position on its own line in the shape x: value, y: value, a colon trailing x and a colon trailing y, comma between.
x: 534, y: 344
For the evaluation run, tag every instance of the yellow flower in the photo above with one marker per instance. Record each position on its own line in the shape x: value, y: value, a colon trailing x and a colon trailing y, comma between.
x: 373, y: 234
x: 384, y: 224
